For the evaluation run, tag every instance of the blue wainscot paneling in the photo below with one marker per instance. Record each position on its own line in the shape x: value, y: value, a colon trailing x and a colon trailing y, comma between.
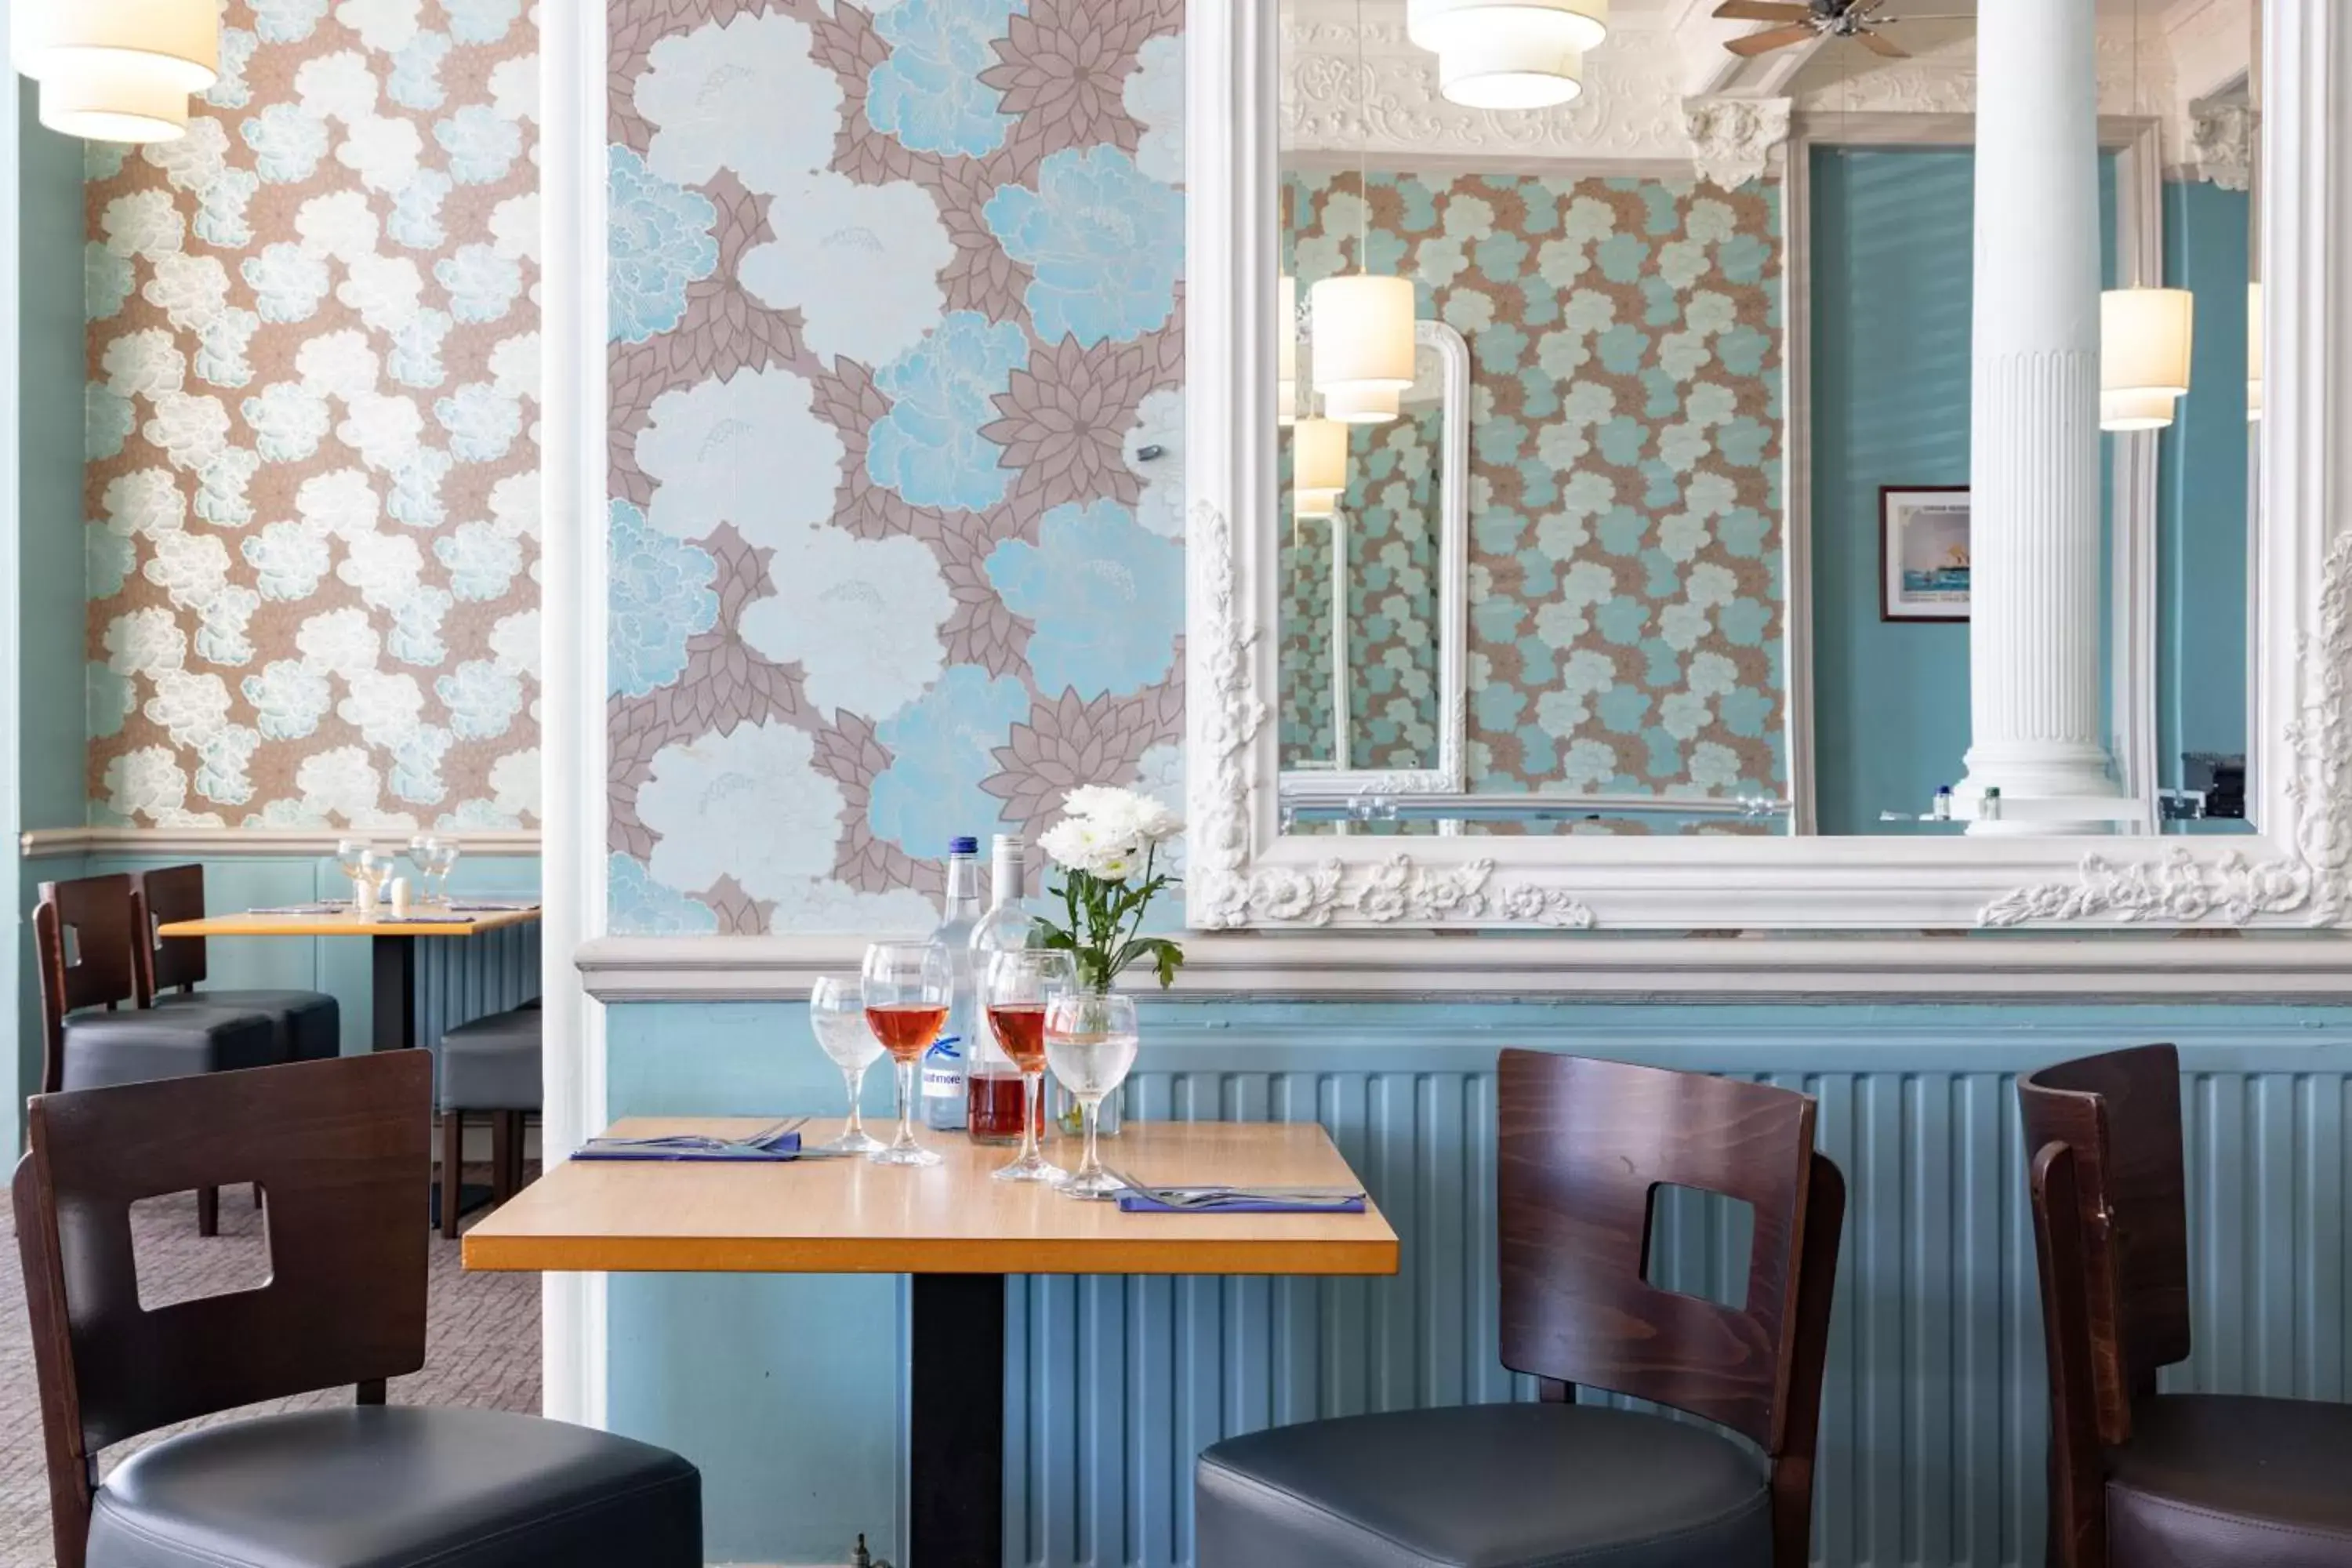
x: 789, y: 1392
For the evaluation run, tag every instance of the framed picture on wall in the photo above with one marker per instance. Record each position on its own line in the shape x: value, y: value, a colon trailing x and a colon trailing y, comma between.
x: 1923, y: 552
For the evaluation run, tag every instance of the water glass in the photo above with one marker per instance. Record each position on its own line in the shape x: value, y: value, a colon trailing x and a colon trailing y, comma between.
x: 374, y: 872
x: 906, y: 988
x: 1090, y: 1043
x: 1016, y: 990
x: 837, y: 1015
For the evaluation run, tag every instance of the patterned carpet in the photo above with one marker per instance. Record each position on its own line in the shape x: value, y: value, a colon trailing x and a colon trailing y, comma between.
x: 482, y: 1347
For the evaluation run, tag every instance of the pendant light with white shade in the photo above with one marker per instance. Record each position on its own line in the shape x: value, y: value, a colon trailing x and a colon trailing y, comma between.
x: 118, y: 70
x: 1509, y: 54
x: 1318, y: 467
x: 1364, y: 352
x: 2145, y: 336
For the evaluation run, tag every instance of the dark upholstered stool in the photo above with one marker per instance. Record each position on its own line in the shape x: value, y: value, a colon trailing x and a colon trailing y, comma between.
x: 489, y: 1065
x: 1490, y: 1485
x: 2138, y: 1479
x: 340, y: 1146
x: 96, y: 1033
x: 313, y: 1488
x: 1585, y: 1145
x: 308, y: 1023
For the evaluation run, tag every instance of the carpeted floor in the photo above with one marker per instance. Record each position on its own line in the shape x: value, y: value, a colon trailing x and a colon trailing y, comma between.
x: 482, y: 1347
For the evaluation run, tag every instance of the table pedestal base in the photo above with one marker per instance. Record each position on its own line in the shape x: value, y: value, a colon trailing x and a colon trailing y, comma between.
x: 955, y: 1437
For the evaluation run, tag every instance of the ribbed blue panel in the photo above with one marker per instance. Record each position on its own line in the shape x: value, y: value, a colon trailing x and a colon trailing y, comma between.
x: 1932, y: 1415
x: 458, y: 979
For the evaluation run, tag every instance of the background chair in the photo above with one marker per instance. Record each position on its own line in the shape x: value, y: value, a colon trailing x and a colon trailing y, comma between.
x: 308, y: 1023
x: 1585, y: 1147
x: 488, y: 1065
x: 341, y: 1147
x: 2140, y: 1478
x: 94, y: 1032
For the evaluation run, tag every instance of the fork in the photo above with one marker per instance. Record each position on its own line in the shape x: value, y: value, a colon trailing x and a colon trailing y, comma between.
x: 1209, y: 1196
x: 705, y: 1140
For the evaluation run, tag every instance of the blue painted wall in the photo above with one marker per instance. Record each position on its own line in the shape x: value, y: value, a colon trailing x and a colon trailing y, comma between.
x: 788, y: 1392
x: 47, y: 671
x: 2203, y: 480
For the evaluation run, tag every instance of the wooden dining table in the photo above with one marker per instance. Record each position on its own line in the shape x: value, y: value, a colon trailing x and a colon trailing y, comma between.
x: 394, y: 1024
x: 958, y: 1233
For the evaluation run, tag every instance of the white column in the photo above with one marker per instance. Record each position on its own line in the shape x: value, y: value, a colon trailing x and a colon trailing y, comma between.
x: 2034, y: 638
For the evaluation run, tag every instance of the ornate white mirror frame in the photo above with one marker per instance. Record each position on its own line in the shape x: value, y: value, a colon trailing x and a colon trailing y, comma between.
x: 2296, y: 873
x: 1453, y: 560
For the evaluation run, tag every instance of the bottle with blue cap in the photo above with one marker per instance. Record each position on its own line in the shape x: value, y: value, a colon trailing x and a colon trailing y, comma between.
x: 944, y: 1064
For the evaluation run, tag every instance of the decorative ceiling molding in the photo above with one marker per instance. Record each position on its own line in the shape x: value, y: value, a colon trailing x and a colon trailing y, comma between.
x: 1734, y: 138
x: 1631, y: 109
x: 2224, y: 139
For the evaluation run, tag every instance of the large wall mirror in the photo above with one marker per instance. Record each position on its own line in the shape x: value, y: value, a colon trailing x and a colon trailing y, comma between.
x: 1777, y: 605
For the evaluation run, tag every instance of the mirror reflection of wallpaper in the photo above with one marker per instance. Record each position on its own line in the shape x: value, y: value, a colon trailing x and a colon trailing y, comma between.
x: 1389, y: 523
x: 1626, y: 595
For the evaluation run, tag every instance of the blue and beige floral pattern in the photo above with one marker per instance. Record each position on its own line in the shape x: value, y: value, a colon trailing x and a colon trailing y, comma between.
x: 947, y: 587
x: 313, y: 471
x: 1624, y: 592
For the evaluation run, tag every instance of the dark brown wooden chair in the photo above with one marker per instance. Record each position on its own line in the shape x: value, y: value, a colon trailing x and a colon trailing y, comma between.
x: 95, y: 1030
x: 2139, y: 1478
x: 1585, y: 1148
x: 342, y: 1148
x: 172, y: 973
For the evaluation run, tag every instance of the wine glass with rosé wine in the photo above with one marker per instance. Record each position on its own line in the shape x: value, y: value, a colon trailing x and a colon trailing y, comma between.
x: 1019, y: 983
x: 906, y: 987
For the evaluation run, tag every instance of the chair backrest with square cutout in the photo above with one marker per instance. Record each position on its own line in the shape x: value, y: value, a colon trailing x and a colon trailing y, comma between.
x: 1586, y: 1145
x: 167, y: 894
x: 340, y: 1148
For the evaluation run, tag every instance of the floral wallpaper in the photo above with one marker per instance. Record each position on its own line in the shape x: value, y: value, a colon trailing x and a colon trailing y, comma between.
x: 1389, y: 523
x: 1626, y: 424
x: 895, y: 316
x: 312, y: 486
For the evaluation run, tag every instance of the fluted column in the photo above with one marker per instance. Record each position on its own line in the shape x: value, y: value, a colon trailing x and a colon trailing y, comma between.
x: 2034, y: 638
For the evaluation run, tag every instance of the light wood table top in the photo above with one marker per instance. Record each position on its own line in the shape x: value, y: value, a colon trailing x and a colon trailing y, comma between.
x: 346, y: 925
x: 849, y: 1217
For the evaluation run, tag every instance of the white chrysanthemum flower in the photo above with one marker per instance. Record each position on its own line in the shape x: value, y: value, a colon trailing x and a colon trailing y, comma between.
x: 342, y: 503
x: 338, y: 365
x: 339, y: 85
x: 384, y: 705
x: 189, y: 567
x: 385, y: 567
x: 341, y: 224
x: 149, y: 781
x: 145, y: 363
x: 340, y: 783
x: 144, y: 502
x: 192, y: 707
x: 193, y: 290
x: 340, y: 642
x: 145, y: 642
x: 191, y: 429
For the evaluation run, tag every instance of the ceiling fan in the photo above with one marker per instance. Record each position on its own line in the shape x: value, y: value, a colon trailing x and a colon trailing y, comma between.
x: 1806, y: 20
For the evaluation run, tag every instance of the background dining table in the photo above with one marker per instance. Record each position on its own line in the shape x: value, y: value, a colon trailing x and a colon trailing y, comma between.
x: 394, y: 1025
x: 958, y: 1235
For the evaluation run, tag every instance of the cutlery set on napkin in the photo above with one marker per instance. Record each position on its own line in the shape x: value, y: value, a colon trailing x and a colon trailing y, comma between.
x: 772, y: 1144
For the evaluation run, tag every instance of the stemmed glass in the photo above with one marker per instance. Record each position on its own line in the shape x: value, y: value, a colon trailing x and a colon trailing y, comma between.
x: 351, y: 856
x: 1090, y: 1041
x: 435, y: 858
x: 1016, y: 990
x: 904, y: 987
x: 837, y: 1013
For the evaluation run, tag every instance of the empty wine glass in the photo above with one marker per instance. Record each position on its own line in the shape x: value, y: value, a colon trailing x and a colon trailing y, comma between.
x: 837, y: 1013
x: 350, y: 855
x: 1015, y: 990
x: 906, y: 988
x: 1090, y: 1041
x: 445, y: 861
x: 422, y: 849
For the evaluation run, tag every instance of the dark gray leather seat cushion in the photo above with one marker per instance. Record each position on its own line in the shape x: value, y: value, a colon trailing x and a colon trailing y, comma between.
x: 141, y: 1045
x: 2255, y: 1483
x: 1493, y: 1486
x: 311, y: 1024
x: 386, y: 1487
x: 492, y: 1064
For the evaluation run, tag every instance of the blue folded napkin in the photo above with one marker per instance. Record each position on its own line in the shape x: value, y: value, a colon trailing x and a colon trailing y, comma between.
x: 781, y: 1146
x: 1136, y: 1201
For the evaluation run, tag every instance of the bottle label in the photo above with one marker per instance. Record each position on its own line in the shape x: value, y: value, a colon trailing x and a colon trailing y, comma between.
x: 943, y: 1069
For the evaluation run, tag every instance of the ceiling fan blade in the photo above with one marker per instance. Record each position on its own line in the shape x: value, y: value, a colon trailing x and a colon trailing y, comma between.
x: 1764, y: 11
x: 1879, y: 44
x: 1765, y: 43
